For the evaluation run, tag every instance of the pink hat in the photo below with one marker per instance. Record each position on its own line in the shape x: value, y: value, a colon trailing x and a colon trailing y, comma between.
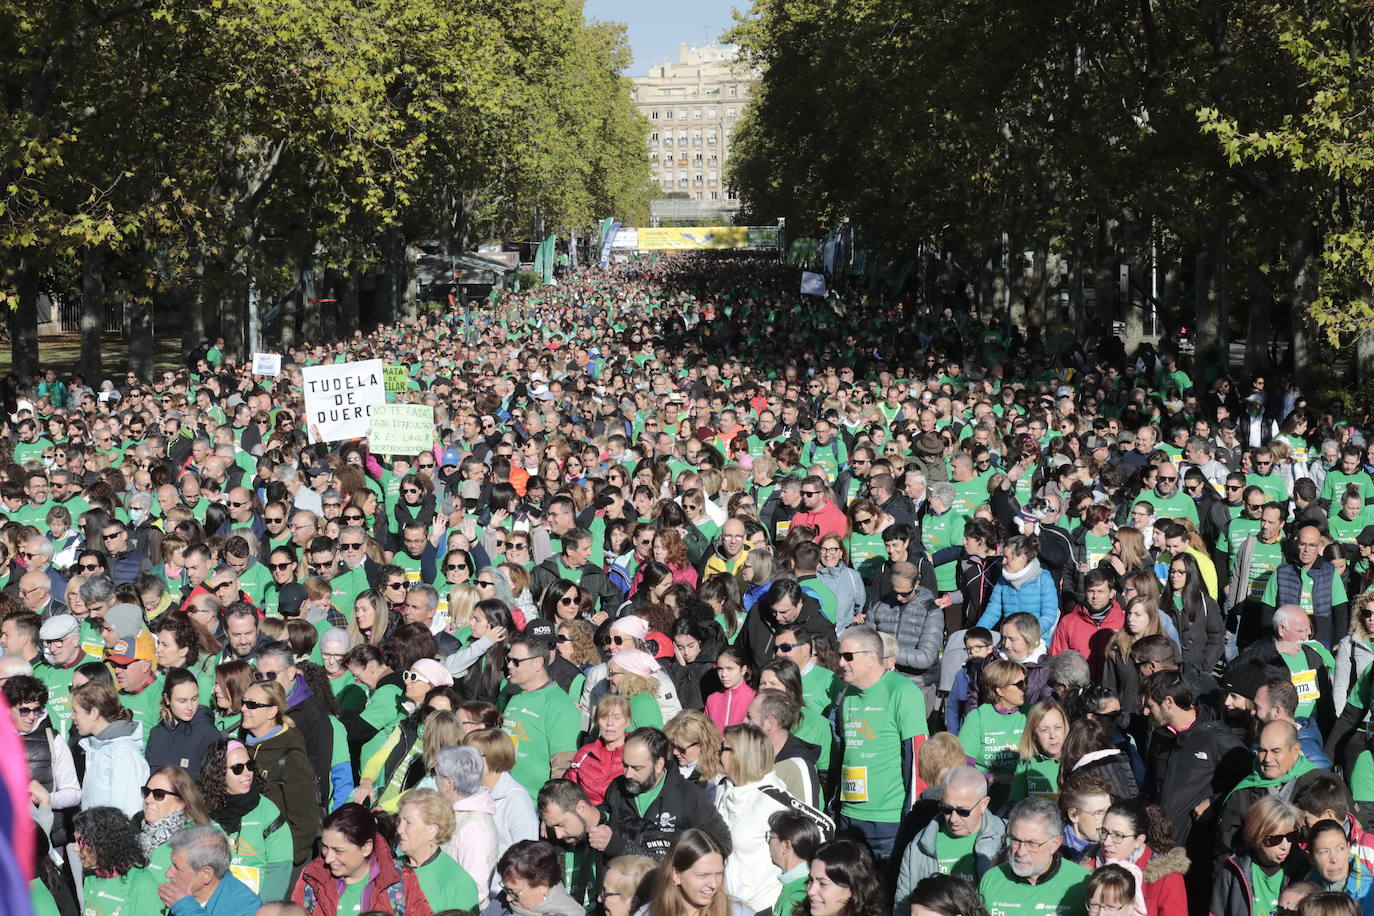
x: 636, y: 661
x: 432, y: 672
x: 630, y: 625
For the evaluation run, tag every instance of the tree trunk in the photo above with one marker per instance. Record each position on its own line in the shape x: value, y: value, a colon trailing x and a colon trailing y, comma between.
x: 1077, y: 309
x: 1211, y: 275
x: 1257, y: 323
x: 139, y: 320
x: 1302, y: 292
x: 24, y: 319
x: 350, y: 309
x: 92, y: 311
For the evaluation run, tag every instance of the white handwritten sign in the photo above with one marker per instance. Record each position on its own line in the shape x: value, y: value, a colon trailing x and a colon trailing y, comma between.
x: 267, y: 364
x: 339, y: 398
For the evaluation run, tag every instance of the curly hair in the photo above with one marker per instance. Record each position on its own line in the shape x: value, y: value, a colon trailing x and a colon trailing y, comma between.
x: 210, y: 779
x: 583, y: 637
x: 109, y: 834
x: 317, y: 679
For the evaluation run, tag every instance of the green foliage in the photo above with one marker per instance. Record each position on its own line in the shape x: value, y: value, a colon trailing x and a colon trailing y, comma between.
x: 204, y: 138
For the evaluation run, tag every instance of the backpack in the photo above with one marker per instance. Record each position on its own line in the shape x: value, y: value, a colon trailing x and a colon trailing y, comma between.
x: 620, y: 577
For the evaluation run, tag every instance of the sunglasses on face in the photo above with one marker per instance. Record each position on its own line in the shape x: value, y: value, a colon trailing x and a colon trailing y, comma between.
x: 450, y: 567
x: 160, y: 795
x: 253, y: 704
x: 261, y: 676
x: 850, y: 656
x: 28, y: 712
x: 350, y: 517
x: 410, y: 677
x: 1291, y: 836
x: 238, y: 768
x: 947, y: 810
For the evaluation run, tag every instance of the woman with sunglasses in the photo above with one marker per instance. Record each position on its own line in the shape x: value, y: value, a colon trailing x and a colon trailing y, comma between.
x: 1268, y: 860
x: 235, y: 795
x: 186, y: 728
x: 991, y: 732
x: 53, y: 783
x: 170, y: 801
x: 279, y: 752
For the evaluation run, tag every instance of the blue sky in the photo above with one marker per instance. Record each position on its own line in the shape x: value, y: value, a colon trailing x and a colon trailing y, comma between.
x: 657, y: 26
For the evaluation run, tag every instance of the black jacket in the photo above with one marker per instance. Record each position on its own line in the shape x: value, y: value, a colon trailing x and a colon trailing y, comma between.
x: 1201, y: 763
x: 806, y: 754
x: 313, y: 723
x: 182, y: 744
x: 756, y: 636
x: 594, y: 580
x: 680, y: 805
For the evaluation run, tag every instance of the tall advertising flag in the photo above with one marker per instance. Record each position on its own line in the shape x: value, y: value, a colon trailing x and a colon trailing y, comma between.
x: 606, y: 241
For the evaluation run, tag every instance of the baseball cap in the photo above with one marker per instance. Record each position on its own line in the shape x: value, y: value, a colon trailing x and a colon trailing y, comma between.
x: 538, y: 626
x: 1366, y: 537
x: 125, y: 619
x: 319, y: 468
x: 452, y: 457
x: 290, y: 599
x: 141, y: 646
x: 58, y: 626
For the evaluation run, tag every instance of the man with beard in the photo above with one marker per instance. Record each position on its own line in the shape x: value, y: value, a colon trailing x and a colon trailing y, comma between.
x: 1035, y: 879
x: 568, y: 817
x: 652, y: 804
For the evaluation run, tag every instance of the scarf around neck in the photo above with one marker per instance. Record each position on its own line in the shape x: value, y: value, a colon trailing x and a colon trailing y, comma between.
x: 235, y: 808
x: 151, y: 836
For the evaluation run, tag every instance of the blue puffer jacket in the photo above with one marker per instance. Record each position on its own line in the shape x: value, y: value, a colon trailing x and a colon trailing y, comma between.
x: 1036, y: 594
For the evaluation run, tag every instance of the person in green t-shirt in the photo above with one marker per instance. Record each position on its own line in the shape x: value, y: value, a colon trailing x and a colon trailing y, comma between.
x: 116, y: 879
x: 882, y: 718
x: 793, y: 840
x: 1035, y: 880
x: 541, y: 719
x: 424, y: 824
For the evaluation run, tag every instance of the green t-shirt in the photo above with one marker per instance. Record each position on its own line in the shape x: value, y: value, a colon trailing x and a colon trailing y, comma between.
x: 645, y: 711
x: 43, y: 903
x: 1038, y: 776
x: 1264, y: 889
x: 383, y: 708
x: 820, y: 689
x: 867, y: 553
x: 1362, y: 779
x: 793, y: 890
x: 146, y: 705
x: 1271, y: 591
x: 1061, y: 894
x: 876, y: 723
x: 542, y: 723
x: 1333, y: 487
x: 955, y: 854
x: 1179, y: 505
x: 446, y: 884
x: 1235, y: 534
x: 1097, y: 547
x: 24, y: 452
x: 261, y: 851
x: 351, y: 899
x: 937, y: 533
x: 1304, y: 677
x: 123, y: 895
x: 645, y: 800
x: 1264, y: 559
x: 1344, y: 531
x: 1274, y: 486
x: 990, y: 738
x: 59, y: 684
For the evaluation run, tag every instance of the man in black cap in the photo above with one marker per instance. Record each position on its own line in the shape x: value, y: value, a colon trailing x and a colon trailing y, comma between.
x: 561, y: 671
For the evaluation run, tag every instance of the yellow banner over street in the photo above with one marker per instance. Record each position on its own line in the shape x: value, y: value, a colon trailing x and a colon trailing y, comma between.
x: 694, y: 238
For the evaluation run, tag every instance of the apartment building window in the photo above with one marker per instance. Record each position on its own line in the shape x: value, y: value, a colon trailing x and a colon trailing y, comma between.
x: 653, y: 116
x: 711, y: 113
x: 712, y: 159
x: 729, y: 112
x: 711, y: 138
x: 682, y: 138
x: 696, y: 114
x: 698, y: 195
x: 734, y: 91
x: 682, y: 113
x: 715, y: 195
x: 697, y: 159
x: 668, y: 115
x: 682, y: 182
x: 667, y: 139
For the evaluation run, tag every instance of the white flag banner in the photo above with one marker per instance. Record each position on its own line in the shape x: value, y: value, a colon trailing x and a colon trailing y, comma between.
x: 339, y: 398
x: 267, y: 364
x: 812, y: 284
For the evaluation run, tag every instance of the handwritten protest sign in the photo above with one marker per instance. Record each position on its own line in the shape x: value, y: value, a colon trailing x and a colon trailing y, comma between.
x: 401, y: 429
x: 339, y: 398
x: 397, y: 377
x: 267, y: 364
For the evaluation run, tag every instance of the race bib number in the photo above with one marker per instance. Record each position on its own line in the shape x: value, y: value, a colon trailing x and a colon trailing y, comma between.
x: 412, y: 575
x: 783, y: 528
x: 855, y: 785
x: 1306, y: 684
x: 248, y: 875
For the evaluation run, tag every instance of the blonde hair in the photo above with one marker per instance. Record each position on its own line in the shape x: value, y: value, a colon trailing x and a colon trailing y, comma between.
x: 939, y: 754
x: 1269, y: 816
x: 441, y: 730
x: 630, y: 684
x: 751, y: 753
x: 1132, y: 546
x: 1026, y: 748
x: 495, y: 746
x: 998, y: 674
x: 1357, y: 628
x: 461, y: 600
x: 692, y: 727
x: 1122, y: 641
x: 434, y: 809
x: 634, y: 873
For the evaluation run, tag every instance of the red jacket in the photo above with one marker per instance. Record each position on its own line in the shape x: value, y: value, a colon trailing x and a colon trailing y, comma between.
x: 1078, y: 631
x: 828, y: 519
x: 594, y: 767
x: 1164, y: 891
x: 318, y: 890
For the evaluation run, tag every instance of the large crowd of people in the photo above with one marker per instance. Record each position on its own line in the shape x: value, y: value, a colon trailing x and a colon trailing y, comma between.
x: 709, y: 599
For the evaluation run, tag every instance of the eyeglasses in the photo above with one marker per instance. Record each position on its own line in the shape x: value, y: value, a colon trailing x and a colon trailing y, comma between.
x: 947, y: 810
x: 238, y: 768
x: 1291, y: 836
x: 516, y: 545
x: 810, y: 492
x: 1114, y: 836
x: 261, y: 676
x: 351, y: 517
x: 252, y: 704
x: 395, y: 585
x: 1034, y: 845
x: 1019, y: 685
x: 570, y: 601
x: 28, y: 712
x: 160, y: 795
x: 1106, y: 907
x: 120, y: 665
x: 789, y: 646
x: 850, y: 656
x: 273, y: 519
x: 114, y: 534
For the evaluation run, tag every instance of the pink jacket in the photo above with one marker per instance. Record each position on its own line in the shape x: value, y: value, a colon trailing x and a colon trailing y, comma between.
x: 728, y: 707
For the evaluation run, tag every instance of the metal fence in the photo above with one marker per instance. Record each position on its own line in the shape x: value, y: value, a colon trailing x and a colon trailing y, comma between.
x: 69, y: 317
